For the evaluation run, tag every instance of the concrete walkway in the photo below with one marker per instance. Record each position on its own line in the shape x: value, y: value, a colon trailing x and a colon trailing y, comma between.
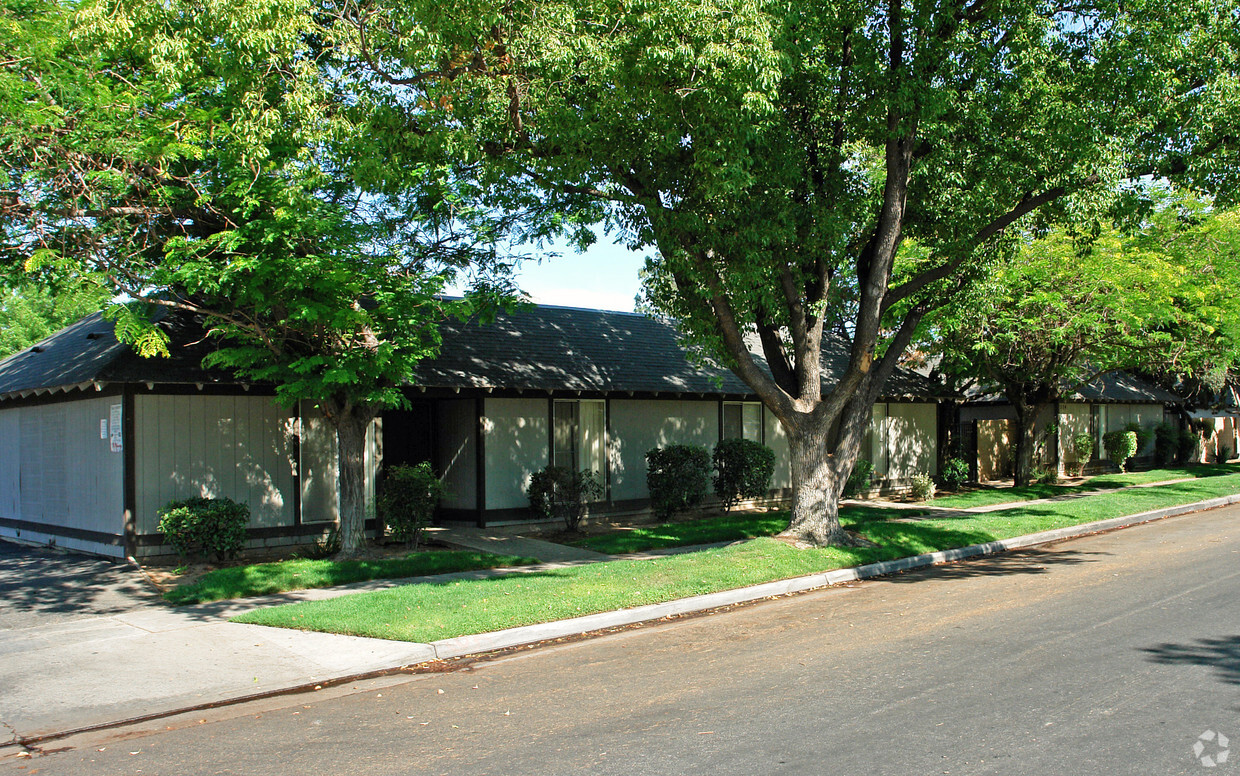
x: 151, y: 660
x: 473, y: 538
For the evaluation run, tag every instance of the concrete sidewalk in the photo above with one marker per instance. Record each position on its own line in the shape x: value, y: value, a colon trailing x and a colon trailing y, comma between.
x: 155, y: 660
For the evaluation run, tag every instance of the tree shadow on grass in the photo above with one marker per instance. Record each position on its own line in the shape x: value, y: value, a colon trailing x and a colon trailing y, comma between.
x: 1221, y: 654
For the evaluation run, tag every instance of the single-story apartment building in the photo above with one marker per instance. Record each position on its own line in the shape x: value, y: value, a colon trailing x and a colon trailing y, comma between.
x: 98, y: 438
x: 1107, y: 403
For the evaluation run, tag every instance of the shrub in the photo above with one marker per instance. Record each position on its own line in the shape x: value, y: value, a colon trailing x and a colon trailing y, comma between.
x: 560, y: 492
x: 1044, y: 475
x: 1120, y: 446
x: 1223, y: 455
x: 922, y: 487
x: 1144, y: 436
x: 1083, y: 446
x: 210, y: 526
x: 678, y: 477
x: 859, y: 480
x: 743, y: 469
x: 1188, y: 446
x: 407, y: 501
x: 1166, y: 443
x: 955, y: 473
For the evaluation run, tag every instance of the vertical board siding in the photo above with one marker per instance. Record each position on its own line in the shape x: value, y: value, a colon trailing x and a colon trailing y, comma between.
x: 1073, y: 420
x: 777, y: 440
x: 10, y: 464
x: 320, y: 502
x: 456, y: 445
x: 58, y: 471
x: 516, y: 447
x: 913, y: 440
x: 639, y: 425
x: 213, y: 446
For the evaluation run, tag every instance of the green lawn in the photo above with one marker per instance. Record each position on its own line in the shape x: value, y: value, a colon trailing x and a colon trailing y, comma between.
x: 426, y: 612
x: 988, y: 497
x: 268, y: 578
x: 731, y: 527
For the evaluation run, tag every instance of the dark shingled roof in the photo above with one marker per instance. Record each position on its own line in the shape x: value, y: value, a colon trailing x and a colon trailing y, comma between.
x: 87, y: 352
x: 1111, y: 387
x: 550, y: 348
x: 541, y: 348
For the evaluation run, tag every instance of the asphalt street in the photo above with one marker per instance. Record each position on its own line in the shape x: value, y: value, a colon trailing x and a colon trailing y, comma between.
x: 1110, y: 654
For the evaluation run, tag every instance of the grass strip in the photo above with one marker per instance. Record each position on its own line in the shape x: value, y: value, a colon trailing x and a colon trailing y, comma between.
x: 283, y: 576
x: 431, y: 611
x: 732, y: 527
x: 991, y: 496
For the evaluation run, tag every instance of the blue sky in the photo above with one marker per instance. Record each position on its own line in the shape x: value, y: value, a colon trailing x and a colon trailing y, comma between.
x: 604, y: 277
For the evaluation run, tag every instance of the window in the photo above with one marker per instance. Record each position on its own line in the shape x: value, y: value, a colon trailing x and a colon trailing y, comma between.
x: 579, y: 431
x: 742, y: 420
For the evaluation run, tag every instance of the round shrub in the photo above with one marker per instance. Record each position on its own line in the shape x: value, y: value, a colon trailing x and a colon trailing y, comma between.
x: 1083, y: 446
x: 1120, y: 446
x: 677, y: 477
x: 407, y: 501
x: 743, y: 470
x: 859, y: 481
x: 560, y: 492
x: 1166, y: 441
x: 210, y: 526
x: 1188, y: 446
x: 922, y: 487
x: 955, y: 473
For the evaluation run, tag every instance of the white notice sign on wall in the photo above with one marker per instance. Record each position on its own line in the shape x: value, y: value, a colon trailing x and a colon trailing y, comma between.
x: 114, y: 423
x: 103, y: 428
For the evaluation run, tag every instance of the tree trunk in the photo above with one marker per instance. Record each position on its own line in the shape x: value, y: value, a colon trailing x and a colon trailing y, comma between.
x: 351, y: 422
x: 1026, y: 441
x: 820, y: 468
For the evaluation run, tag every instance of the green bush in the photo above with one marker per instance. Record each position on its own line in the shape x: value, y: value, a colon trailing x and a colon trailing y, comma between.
x: 1083, y: 446
x: 1166, y: 443
x: 922, y: 487
x: 560, y: 492
x: 1044, y: 475
x: 859, y: 481
x: 1223, y: 455
x: 678, y: 477
x: 743, y: 470
x: 210, y: 526
x: 407, y: 501
x: 1144, y: 435
x: 955, y: 473
x: 1188, y: 446
x: 1120, y: 446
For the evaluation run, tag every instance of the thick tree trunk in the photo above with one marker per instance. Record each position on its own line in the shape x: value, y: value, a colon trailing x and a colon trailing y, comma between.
x: 820, y: 468
x: 351, y: 422
x: 1026, y: 441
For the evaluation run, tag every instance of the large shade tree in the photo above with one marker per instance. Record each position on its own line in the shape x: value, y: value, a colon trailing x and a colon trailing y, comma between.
x: 213, y: 158
x: 1071, y: 307
x: 781, y: 155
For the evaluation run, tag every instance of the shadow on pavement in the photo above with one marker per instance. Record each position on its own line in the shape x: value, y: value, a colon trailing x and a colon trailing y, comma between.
x: 1222, y: 654
x: 1028, y: 562
x: 39, y: 585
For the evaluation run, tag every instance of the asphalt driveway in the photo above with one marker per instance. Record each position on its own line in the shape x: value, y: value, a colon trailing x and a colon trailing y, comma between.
x: 42, y: 587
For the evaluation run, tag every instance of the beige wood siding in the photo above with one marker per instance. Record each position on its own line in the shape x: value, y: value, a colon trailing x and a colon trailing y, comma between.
x: 639, y: 425
x: 1074, y: 419
x: 239, y: 447
x: 516, y: 447
x: 777, y: 440
x: 320, y: 496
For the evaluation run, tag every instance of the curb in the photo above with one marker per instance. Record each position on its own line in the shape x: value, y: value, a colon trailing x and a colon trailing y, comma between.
x: 461, y: 646
x: 529, y: 634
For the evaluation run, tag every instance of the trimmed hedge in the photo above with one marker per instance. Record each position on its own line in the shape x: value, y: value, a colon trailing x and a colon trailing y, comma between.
x: 678, y: 477
x: 558, y: 491
x: 1120, y: 446
x: 743, y: 470
x: 407, y: 501
x: 210, y: 526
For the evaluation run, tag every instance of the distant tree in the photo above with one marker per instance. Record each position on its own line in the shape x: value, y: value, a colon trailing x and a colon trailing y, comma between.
x: 1065, y: 311
x: 30, y: 312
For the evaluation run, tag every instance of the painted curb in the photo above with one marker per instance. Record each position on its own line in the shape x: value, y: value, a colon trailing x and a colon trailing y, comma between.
x: 530, y: 634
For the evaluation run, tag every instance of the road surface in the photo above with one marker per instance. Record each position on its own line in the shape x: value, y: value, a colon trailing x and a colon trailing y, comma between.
x: 1110, y: 654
